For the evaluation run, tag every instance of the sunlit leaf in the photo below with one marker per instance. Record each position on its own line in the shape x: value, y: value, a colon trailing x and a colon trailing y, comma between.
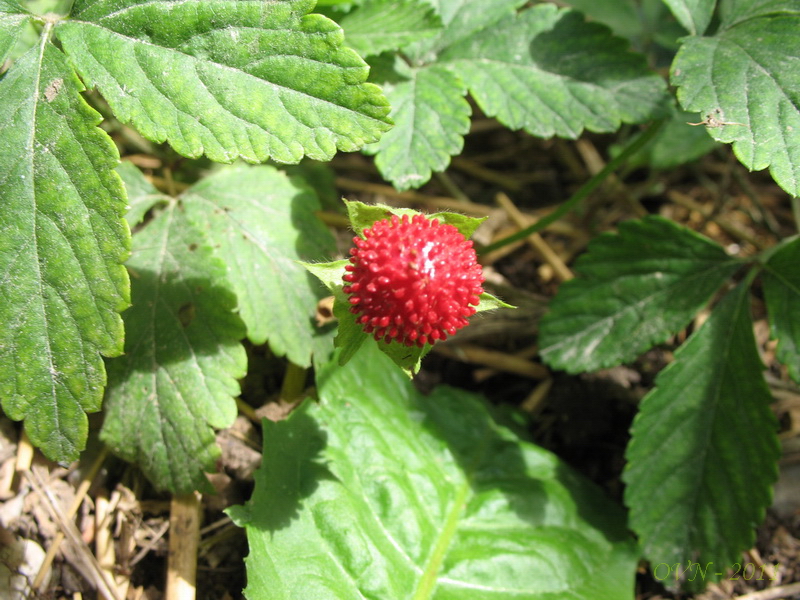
x: 226, y: 79
x: 378, y: 491
x: 62, y: 244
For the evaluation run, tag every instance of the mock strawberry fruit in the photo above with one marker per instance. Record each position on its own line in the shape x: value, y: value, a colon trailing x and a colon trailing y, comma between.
x: 413, y: 280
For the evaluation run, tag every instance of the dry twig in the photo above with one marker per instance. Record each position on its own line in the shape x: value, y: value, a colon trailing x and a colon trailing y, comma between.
x: 90, y: 567
x: 535, y: 240
x: 781, y: 592
x: 492, y: 358
x: 184, y: 537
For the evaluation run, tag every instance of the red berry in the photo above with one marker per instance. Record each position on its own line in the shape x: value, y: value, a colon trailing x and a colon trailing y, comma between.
x: 413, y: 280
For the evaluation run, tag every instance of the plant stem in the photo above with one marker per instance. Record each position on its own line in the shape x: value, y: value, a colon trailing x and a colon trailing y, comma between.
x: 587, y: 188
x: 796, y: 211
x: 294, y: 382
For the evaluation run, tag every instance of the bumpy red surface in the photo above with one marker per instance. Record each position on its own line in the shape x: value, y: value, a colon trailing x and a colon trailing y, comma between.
x: 412, y: 280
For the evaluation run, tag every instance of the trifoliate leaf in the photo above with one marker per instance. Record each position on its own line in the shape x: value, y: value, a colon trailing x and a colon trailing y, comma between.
x: 381, y: 25
x: 226, y: 79
x: 13, y: 19
x: 694, y: 15
x: 379, y: 491
x: 704, y: 450
x: 62, y: 243
x: 262, y: 224
x: 782, y: 295
x: 743, y: 81
x: 432, y: 117
x: 177, y: 380
x: 551, y: 73
x: 543, y: 69
x: 634, y: 290
x: 142, y: 195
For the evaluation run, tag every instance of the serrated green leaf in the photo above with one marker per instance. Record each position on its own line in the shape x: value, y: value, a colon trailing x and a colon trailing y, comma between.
x: 782, y: 295
x: 62, y: 244
x: 704, y: 451
x: 551, y: 73
x: 634, y: 290
x: 13, y: 19
x: 461, y: 19
x: 262, y: 224
x: 226, y: 79
x: 381, y: 492
x: 694, y: 15
x: 381, y: 25
x: 142, y: 195
x: 432, y: 116
x: 624, y: 17
x: 735, y: 11
x: 177, y: 380
x: 744, y: 81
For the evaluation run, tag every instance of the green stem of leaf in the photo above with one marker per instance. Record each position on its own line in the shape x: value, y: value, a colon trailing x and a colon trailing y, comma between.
x: 587, y: 188
x: 796, y: 211
x: 294, y: 382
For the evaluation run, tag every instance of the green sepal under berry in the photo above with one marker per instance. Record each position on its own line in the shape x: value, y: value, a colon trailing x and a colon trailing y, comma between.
x: 363, y: 216
x: 351, y: 335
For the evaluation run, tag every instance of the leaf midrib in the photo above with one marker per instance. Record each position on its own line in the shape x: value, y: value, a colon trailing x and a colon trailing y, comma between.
x: 54, y: 412
x: 431, y: 569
